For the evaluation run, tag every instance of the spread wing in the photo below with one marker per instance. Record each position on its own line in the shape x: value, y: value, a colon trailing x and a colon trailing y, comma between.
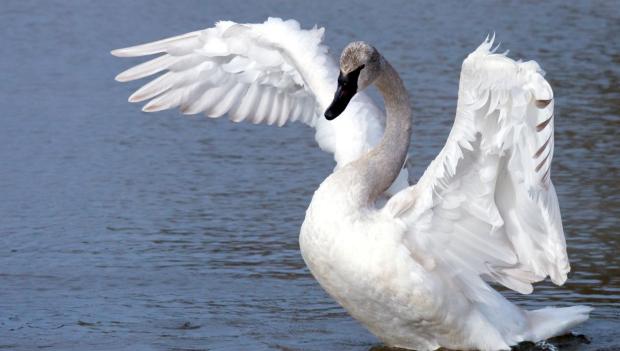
x: 232, y: 68
x: 485, y: 209
x: 271, y: 72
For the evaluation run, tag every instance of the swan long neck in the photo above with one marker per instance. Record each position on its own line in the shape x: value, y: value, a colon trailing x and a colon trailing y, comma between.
x: 381, y: 166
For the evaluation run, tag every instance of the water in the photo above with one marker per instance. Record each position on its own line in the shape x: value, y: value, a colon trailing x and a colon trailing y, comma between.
x: 127, y: 231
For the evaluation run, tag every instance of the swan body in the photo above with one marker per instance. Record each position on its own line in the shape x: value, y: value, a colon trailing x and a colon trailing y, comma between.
x: 412, y: 263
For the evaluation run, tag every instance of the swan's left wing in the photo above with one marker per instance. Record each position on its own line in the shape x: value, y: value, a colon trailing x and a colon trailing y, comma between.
x: 252, y: 72
x: 485, y: 209
x: 273, y: 73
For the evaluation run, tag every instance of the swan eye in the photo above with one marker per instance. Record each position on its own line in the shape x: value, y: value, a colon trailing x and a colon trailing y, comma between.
x: 342, y: 79
x: 350, y: 78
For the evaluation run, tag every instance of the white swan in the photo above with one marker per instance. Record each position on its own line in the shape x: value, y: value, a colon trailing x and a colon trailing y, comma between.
x: 416, y: 271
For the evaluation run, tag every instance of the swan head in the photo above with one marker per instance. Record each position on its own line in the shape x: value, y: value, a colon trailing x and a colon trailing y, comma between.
x: 360, y: 65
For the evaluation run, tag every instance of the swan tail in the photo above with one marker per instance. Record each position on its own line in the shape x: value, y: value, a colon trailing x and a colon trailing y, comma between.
x: 549, y: 322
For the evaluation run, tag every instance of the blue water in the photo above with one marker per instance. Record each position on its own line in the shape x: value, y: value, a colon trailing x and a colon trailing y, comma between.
x: 126, y: 231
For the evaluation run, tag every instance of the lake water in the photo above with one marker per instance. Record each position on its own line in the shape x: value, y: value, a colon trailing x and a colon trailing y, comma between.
x: 126, y: 231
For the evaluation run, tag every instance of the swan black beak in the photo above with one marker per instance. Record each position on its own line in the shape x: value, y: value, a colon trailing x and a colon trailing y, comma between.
x: 341, y: 99
x: 347, y: 88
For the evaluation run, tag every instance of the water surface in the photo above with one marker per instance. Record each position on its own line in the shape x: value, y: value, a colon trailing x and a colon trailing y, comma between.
x: 127, y: 231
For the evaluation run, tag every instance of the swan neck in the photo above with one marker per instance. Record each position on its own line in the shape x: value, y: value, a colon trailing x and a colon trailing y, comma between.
x: 385, y: 161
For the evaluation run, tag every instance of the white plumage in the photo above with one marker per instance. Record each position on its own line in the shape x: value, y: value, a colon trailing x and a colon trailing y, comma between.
x: 416, y: 271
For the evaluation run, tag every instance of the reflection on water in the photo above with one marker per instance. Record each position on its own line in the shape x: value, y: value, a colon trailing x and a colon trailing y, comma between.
x: 128, y: 231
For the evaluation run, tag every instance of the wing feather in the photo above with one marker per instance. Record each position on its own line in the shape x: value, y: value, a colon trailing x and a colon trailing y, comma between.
x: 264, y: 105
x: 153, y: 88
x: 155, y: 47
x: 231, y: 91
x: 167, y: 100
x: 247, y: 104
x: 147, y: 68
x: 193, y: 104
x: 275, y: 108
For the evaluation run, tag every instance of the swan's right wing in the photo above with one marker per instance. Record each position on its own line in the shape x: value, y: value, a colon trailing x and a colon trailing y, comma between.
x: 271, y: 72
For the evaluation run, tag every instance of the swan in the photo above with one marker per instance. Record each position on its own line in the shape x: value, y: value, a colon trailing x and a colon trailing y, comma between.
x: 412, y: 263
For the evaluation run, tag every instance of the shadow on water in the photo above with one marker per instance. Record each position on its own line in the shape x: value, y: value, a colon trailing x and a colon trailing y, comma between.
x: 568, y: 342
